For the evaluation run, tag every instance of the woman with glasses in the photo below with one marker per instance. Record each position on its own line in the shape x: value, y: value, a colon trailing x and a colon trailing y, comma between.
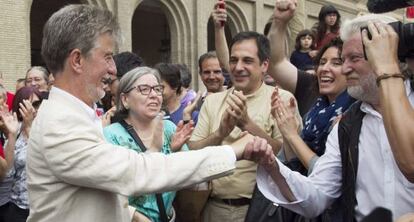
x: 25, y: 104
x: 139, y: 100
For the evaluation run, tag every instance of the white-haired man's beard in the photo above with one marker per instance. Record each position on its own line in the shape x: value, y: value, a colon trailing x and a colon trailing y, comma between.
x: 366, y: 91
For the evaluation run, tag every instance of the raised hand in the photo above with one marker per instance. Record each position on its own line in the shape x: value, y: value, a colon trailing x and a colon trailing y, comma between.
x: 106, y: 118
x: 10, y: 122
x: 219, y: 14
x: 284, y: 10
x: 284, y: 115
x: 182, y: 135
x: 382, y: 49
x: 158, y: 133
x: 28, y: 113
x: 191, y: 106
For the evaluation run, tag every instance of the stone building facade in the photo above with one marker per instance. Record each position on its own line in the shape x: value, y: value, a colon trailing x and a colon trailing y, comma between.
x: 159, y: 30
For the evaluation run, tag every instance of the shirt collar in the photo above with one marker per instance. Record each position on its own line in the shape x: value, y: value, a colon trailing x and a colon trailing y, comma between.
x: 89, y: 110
x: 255, y: 93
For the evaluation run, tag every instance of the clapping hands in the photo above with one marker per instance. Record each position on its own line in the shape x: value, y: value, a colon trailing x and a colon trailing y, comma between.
x: 181, y: 135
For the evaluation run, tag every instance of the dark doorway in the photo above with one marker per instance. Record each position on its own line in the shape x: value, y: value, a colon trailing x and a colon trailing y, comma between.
x: 40, y: 12
x: 151, y: 33
x: 210, y: 35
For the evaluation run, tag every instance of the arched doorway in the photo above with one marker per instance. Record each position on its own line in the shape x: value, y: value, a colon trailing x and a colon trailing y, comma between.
x: 151, y: 38
x: 40, y: 12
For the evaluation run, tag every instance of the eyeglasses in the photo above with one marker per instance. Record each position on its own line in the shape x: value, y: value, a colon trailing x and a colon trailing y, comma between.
x: 146, y: 89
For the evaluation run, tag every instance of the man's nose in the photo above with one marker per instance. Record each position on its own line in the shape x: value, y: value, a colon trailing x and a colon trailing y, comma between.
x: 112, y: 67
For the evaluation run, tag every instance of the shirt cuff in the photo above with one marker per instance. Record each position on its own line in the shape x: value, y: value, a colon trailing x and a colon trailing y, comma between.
x: 231, y: 155
x: 270, y: 189
x: 131, y: 211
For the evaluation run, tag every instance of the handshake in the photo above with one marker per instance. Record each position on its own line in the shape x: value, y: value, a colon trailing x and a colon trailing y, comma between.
x: 254, y: 149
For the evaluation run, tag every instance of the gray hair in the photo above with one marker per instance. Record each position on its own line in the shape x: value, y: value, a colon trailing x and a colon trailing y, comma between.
x: 205, y: 56
x: 127, y: 83
x: 75, y: 27
x: 350, y: 27
x: 41, y: 69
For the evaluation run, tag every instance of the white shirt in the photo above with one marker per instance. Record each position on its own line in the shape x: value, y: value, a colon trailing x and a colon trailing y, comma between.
x: 379, y: 183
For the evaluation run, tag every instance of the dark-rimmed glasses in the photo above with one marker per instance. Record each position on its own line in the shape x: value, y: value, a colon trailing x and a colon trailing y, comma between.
x: 146, y: 89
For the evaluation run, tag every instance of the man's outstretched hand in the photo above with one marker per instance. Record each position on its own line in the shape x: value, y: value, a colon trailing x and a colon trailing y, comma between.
x: 253, y: 148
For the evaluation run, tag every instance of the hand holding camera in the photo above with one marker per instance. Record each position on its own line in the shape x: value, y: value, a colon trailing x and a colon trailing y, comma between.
x: 381, y: 48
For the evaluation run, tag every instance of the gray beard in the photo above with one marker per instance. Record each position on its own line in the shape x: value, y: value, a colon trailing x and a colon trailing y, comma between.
x: 95, y: 94
x: 369, y: 95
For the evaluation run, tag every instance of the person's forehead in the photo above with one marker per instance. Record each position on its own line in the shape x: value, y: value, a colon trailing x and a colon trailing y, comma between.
x: 34, y: 73
x: 353, y: 44
x: 105, y: 43
x: 248, y: 45
x: 210, y: 62
x: 305, y: 36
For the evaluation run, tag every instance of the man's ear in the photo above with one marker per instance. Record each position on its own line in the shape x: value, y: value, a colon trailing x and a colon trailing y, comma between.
x: 75, y: 60
x: 265, y: 66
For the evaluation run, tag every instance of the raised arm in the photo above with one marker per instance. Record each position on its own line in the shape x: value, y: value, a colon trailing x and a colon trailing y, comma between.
x: 219, y: 16
x: 284, y: 72
x: 396, y: 110
x: 289, y: 125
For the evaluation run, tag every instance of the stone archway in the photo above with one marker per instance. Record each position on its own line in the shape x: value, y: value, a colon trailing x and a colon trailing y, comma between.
x: 151, y: 33
x: 237, y: 18
x: 169, y: 31
x: 210, y: 35
x: 40, y: 12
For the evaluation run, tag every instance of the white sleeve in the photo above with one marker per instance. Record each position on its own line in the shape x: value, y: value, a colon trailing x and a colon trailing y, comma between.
x: 314, y: 193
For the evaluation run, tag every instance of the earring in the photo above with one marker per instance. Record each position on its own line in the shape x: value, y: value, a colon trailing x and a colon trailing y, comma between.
x: 126, y: 107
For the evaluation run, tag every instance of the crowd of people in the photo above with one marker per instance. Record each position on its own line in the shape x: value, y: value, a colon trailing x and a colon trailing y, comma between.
x: 325, y: 135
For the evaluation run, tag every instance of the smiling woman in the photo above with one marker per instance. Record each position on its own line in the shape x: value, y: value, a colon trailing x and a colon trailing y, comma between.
x: 139, y: 100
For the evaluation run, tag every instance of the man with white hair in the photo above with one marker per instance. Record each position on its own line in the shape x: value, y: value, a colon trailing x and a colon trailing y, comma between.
x: 362, y: 167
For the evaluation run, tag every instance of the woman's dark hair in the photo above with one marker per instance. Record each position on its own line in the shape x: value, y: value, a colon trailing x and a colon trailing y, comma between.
x: 125, y: 62
x: 25, y: 93
x: 322, y: 26
x: 336, y: 42
x: 185, y: 75
x: 301, y: 34
x: 170, y: 73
